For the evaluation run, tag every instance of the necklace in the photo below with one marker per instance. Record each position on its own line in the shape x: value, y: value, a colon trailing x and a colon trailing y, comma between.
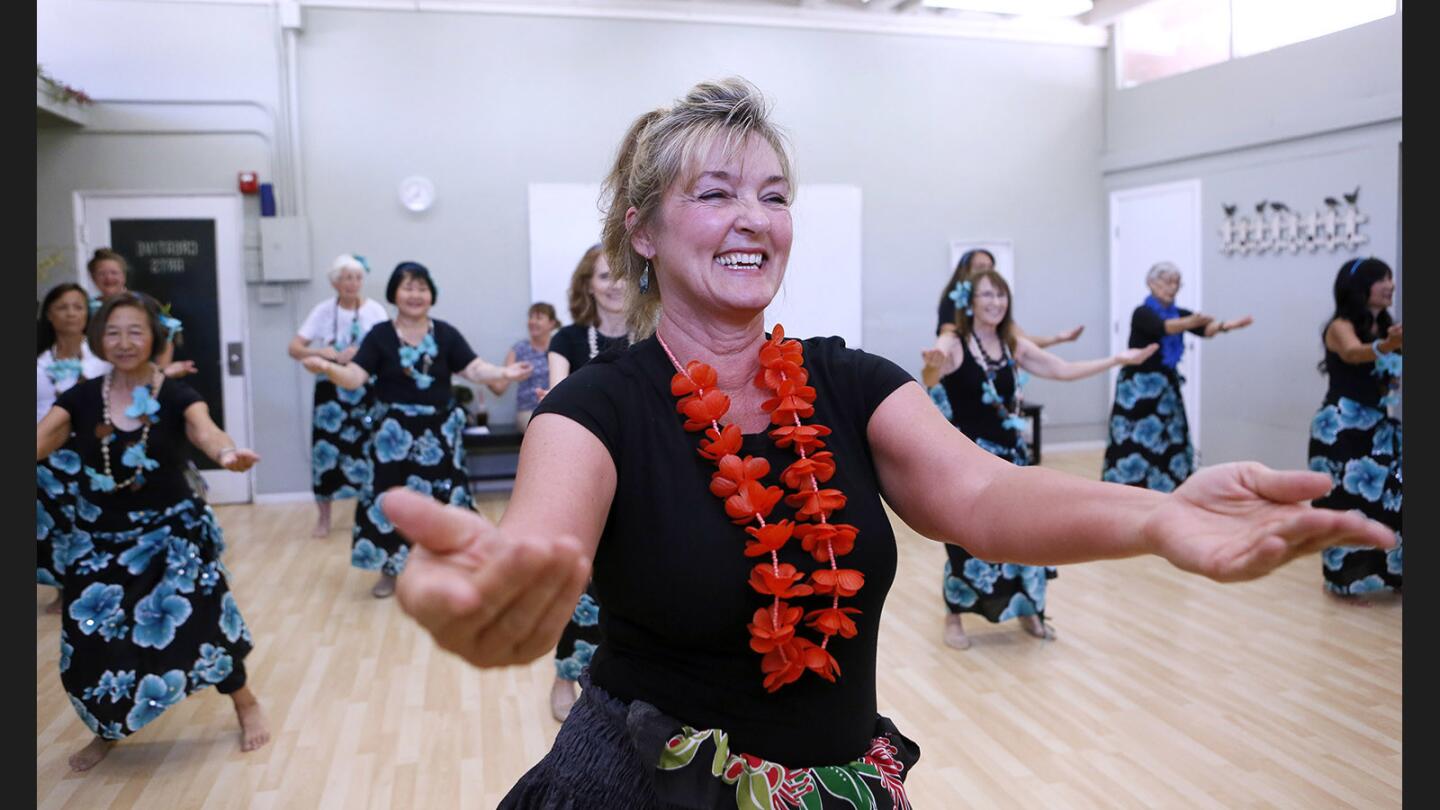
x: 989, y: 395
x: 64, y: 369
x: 773, y: 631
x: 145, y: 407
x: 424, y: 353
x: 354, y: 327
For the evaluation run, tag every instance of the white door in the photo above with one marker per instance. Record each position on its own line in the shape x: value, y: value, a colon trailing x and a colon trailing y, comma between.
x: 1148, y: 225
x: 186, y: 251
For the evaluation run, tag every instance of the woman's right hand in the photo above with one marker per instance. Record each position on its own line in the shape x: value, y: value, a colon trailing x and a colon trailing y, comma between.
x: 1199, y: 320
x: 519, y: 371
x: 1394, y: 339
x: 328, y: 353
x: 489, y: 597
x: 1134, y: 357
x: 315, y: 364
x: 934, y: 358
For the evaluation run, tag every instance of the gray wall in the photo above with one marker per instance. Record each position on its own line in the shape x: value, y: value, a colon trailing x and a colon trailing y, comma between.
x: 1304, y: 122
x: 947, y: 138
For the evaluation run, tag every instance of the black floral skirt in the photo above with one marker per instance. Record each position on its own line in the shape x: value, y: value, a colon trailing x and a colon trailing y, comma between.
x: 1359, y: 446
x: 580, y: 639
x: 1149, y: 443
x: 414, y: 446
x: 997, y: 591
x: 339, y: 467
x: 613, y: 754
x: 148, y: 616
x: 57, y: 504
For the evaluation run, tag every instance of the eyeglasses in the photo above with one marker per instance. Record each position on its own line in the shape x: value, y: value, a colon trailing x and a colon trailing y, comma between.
x: 990, y: 295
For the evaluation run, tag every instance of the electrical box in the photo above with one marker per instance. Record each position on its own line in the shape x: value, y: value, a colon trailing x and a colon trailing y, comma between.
x: 284, y: 249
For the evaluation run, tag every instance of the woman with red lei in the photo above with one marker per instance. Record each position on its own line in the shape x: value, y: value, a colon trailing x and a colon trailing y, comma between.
x: 727, y: 484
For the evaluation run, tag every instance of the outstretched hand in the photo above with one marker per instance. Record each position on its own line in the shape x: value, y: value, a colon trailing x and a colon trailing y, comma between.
x: 1069, y: 335
x: 1134, y: 357
x: 489, y: 597
x: 239, y: 460
x: 1239, y: 521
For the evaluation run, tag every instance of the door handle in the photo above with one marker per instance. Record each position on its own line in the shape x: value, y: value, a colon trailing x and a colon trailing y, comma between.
x: 235, y: 359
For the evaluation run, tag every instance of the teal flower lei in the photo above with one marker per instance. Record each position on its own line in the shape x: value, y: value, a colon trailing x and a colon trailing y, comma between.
x: 424, y: 354
x: 60, y: 370
x: 1388, y: 368
x: 1009, y: 419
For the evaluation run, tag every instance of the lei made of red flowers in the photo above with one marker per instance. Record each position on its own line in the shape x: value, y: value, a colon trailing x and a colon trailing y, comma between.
x: 737, y: 481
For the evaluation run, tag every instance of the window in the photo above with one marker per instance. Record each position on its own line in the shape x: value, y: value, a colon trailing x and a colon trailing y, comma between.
x: 1166, y: 37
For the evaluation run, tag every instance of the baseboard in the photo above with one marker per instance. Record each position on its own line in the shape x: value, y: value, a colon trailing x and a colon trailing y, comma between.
x: 1073, y: 447
x: 283, y: 497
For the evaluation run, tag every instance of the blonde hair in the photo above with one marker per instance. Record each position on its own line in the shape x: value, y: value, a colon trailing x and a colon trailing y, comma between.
x: 583, y: 309
x: 664, y: 146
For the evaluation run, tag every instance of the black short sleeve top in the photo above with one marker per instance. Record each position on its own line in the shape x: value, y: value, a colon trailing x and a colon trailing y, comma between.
x: 379, y: 354
x: 167, y: 445
x: 1146, y: 327
x: 670, y: 571
x: 573, y: 343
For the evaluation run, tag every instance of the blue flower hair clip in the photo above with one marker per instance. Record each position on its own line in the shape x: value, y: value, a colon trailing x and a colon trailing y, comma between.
x: 143, y: 405
x: 172, y: 326
x: 363, y: 263
x: 961, y: 296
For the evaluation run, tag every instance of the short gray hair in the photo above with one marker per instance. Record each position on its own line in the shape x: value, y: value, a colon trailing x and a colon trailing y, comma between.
x: 1162, y: 270
x: 660, y: 147
x: 343, y: 262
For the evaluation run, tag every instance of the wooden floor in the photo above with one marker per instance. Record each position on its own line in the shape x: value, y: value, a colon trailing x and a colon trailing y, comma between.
x: 1162, y: 691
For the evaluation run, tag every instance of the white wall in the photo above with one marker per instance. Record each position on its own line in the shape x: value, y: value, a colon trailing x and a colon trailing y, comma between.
x: 947, y: 138
x: 1298, y: 124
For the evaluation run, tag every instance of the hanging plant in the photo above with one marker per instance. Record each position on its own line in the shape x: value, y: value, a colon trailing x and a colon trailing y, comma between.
x: 61, y: 91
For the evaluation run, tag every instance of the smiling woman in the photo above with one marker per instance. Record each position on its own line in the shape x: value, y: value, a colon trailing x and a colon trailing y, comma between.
x: 741, y: 618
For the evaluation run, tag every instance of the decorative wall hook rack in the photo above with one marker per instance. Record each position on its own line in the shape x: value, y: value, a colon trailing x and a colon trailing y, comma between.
x: 1276, y: 228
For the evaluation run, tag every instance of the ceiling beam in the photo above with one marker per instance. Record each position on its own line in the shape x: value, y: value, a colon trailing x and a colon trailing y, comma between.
x: 1108, y: 11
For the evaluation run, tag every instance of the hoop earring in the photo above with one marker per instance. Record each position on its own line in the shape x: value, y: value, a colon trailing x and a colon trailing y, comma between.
x: 645, y: 279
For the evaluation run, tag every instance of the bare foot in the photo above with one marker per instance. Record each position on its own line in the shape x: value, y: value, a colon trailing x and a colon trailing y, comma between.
x: 254, y: 728
x: 1037, y: 627
x: 55, y: 607
x: 384, y: 587
x: 321, y: 530
x: 955, y: 633
x: 562, y: 698
x: 322, y: 523
x: 87, y: 757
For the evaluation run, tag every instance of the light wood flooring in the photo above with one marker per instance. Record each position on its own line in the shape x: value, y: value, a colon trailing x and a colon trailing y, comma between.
x: 1162, y: 691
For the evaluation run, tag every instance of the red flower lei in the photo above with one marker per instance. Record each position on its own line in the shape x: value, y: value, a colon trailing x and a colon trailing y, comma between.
x: 773, y: 634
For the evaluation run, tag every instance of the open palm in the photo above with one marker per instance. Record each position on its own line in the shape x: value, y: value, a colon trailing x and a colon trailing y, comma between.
x: 1240, y: 521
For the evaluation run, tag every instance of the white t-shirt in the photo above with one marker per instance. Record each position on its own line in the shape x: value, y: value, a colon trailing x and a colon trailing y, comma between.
x: 329, y: 323
x: 52, y: 379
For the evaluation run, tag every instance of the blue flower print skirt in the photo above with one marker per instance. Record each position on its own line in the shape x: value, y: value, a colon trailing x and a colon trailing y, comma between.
x: 1359, y: 446
x: 1149, y: 443
x: 149, y: 617
x: 339, y: 467
x: 414, y: 446
x: 57, y: 501
x: 997, y: 591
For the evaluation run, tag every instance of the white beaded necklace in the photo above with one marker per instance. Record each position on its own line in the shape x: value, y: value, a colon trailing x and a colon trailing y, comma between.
x: 106, y: 430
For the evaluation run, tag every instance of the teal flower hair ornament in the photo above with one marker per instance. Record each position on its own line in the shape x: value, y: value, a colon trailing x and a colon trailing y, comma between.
x: 172, y: 326
x: 961, y: 296
x: 363, y: 263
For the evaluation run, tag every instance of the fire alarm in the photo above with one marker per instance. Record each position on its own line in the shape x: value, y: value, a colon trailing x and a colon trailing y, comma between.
x: 249, y: 182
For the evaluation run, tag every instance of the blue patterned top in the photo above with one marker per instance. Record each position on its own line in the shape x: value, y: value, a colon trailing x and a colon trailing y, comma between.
x: 528, y: 394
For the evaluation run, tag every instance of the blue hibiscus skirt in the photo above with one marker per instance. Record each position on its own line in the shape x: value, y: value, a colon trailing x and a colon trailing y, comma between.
x: 339, y: 467
x: 997, y: 591
x: 1359, y: 446
x: 57, y: 497
x: 414, y: 446
x: 148, y: 617
x: 1149, y: 443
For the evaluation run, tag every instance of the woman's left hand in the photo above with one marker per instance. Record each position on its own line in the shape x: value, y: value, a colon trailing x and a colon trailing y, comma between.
x: 1073, y: 334
x: 239, y: 459
x: 347, y: 355
x: 1239, y: 521
x: 1238, y: 323
x: 519, y: 371
x: 178, y: 369
x: 1134, y: 357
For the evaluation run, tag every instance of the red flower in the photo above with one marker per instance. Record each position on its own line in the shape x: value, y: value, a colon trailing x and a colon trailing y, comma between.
x: 718, y: 445
x: 751, y: 499
x: 832, y: 620
x: 821, y: 465
x: 819, y: 661
x: 810, y: 503
x: 734, y: 472
x: 766, y: 635
x: 791, y: 401
x: 814, y: 538
x: 764, y: 580
x: 701, y: 410
x: 784, y: 664
x: 806, y: 437
x: 700, y: 376
x: 768, y: 538
x: 841, y: 582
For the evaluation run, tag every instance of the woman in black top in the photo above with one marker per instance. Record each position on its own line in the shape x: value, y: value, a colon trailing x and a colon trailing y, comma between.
x: 971, y: 263
x: 416, y: 424
x: 1353, y: 437
x: 727, y: 672
x: 974, y: 376
x: 1149, y: 435
x: 597, y: 307
x: 149, y: 617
